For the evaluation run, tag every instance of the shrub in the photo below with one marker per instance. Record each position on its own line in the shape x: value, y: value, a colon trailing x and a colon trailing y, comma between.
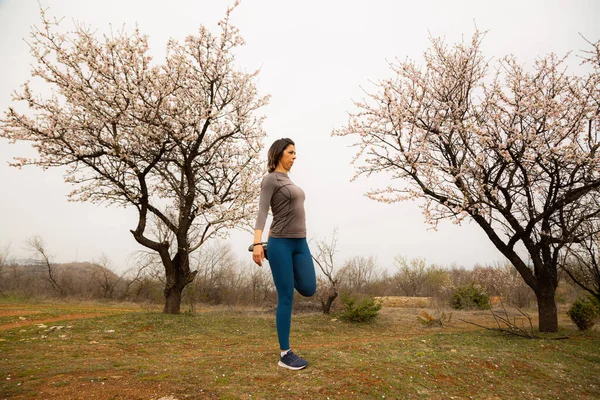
x: 359, y: 309
x: 584, y: 312
x: 469, y: 297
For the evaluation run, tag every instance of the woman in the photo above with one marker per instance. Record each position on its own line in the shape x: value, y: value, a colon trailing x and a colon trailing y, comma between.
x: 289, y: 256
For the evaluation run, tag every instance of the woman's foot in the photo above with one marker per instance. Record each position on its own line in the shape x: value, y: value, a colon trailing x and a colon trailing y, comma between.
x: 292, y: 361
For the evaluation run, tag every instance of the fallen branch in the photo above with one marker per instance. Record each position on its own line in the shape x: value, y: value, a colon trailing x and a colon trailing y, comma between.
x: 512, y: 327
x: 505, y: 325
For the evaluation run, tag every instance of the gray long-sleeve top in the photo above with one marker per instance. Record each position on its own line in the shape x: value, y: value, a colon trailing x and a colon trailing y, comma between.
x: 287, y: 205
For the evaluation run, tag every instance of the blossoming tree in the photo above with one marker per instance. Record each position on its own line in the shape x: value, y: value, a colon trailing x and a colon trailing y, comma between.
x: 517, y: 151
x: 179, y: 142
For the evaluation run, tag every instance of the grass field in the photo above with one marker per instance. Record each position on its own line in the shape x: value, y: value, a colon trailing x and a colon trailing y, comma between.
x: 117, y: 351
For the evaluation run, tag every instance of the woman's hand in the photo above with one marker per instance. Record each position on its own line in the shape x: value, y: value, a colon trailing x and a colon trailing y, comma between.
x: 258, y: 254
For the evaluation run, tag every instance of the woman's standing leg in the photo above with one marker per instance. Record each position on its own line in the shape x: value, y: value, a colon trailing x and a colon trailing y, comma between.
x: 281, y: 263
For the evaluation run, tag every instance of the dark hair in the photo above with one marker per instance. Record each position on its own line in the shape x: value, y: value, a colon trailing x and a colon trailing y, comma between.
x: 276, y: 151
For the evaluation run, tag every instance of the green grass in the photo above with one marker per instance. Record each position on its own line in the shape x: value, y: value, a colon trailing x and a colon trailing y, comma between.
x: 128, y: 353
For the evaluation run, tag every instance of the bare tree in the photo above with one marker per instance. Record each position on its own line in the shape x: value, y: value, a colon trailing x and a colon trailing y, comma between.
x: 149, y: 275
x: 4, y: 255
x: 517, y: 153
x: 37, y: 244
x: 329, y: 285
x: 411, y: 275
x: 261, y: 283
x: 134, y: 275
x: 106, y: 277
x: 582, y: 263
x: 359, y: 272
x: 215, y: 268
x: 179, y: 142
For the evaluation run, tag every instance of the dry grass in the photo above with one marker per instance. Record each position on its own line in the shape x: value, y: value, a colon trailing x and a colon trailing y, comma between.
x: 125, y: 352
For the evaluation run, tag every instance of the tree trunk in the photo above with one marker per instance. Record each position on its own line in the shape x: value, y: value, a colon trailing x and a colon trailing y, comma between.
x: 547, y: 312
x: 543, y: 283
x: 327, y: 304
x: 173, y: 300
x: 178, y: 278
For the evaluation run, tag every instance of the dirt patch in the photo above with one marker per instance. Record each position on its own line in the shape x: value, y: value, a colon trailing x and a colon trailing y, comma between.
x: 446, y: 379
x: 68, y: 317
x: 359, y: 377
x: 110, y: 385
x: 17, y: 313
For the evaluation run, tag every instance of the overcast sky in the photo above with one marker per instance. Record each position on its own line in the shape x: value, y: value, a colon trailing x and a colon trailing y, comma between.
x: 315, y: 57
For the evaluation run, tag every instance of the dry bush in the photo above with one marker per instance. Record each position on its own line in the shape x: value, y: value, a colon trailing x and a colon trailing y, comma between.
x: 429, y: 320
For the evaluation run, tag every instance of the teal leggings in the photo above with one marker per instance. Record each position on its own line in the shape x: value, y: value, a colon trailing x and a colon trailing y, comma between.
x: 292, y: 267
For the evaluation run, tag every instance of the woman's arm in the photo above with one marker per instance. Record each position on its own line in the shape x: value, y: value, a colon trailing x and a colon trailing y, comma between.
x: 266, y: 192
x: 258, y: 254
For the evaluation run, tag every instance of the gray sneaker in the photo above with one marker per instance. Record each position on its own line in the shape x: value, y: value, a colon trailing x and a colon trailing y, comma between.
x: 292, y: 361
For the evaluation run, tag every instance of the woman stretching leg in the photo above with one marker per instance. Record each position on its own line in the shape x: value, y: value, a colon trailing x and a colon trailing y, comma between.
x: 289, y: 256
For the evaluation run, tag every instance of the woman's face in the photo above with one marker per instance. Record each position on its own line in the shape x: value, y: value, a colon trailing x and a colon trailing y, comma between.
x: 288, y: 157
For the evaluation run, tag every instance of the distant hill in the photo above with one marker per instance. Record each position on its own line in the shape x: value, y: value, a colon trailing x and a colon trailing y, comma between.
x: 76, y: 269
x: 73, y: 277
